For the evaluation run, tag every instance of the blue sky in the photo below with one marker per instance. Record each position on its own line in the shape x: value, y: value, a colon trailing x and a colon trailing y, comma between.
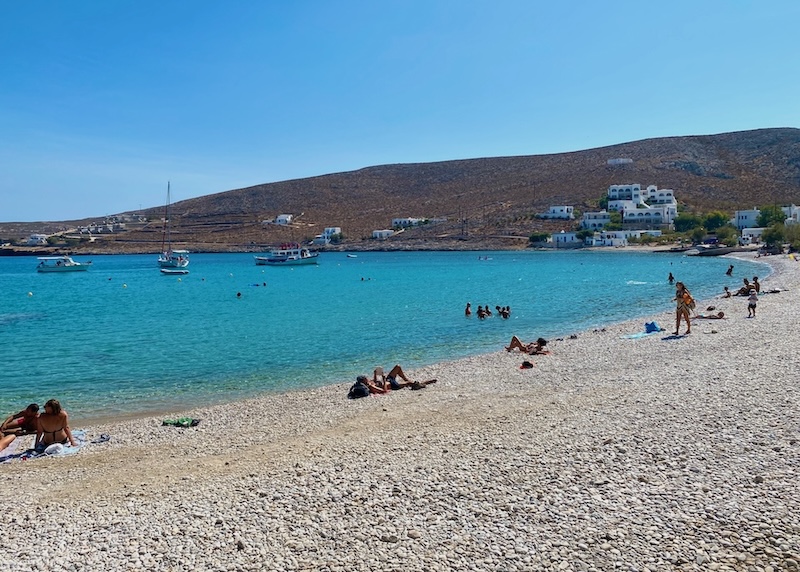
x: 103, y: 102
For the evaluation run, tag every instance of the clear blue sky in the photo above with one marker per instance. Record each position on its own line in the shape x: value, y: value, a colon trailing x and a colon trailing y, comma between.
x: 102, y: 102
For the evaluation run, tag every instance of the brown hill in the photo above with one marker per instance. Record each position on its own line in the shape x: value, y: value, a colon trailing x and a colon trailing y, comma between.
x: 480, y: 198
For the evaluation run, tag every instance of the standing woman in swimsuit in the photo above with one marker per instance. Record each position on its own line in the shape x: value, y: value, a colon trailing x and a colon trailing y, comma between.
x: 682, y: 297
x: 53, y: 426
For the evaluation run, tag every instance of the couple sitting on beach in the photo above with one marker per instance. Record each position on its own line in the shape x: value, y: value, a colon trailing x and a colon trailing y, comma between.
x: 383, y: 383
x: 51, y: 427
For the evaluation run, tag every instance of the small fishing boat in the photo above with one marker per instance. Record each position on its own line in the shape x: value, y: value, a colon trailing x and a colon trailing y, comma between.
x: 174, y: 271
x: 288, y: 254
x: 61, y: 264
x: 352, y: 256
x: 170, y: 258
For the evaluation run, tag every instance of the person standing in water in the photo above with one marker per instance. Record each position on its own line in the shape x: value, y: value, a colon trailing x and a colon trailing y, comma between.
x: 671, y: 278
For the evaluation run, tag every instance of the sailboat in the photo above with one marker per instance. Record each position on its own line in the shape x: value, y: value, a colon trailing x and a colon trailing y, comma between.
x: 171, y: 261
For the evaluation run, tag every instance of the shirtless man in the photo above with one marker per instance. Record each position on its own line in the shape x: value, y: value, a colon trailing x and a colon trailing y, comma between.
x: 21, y: 422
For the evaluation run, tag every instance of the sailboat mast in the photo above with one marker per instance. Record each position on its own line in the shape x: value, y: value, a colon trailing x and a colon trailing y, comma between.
x: 165, y: 237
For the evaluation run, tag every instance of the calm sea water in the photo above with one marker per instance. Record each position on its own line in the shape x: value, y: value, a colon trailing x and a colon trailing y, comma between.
x: 122, y: 338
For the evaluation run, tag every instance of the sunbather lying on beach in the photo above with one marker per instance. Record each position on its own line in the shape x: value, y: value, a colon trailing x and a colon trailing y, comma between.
x: 534, y: 348
x: 6, y: 440
x: 390, y: 380
x: 22, y: 422
x: 717, y: 316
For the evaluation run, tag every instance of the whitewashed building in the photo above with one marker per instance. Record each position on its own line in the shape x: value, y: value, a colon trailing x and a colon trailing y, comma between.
x: 792, y: 213
x: 284, y: 219
x: 325, y: 238
x: 594, y: 220
x: 745, y: 219
x: 37, y: 240
x: 382, y: 234
x: 406, y: 222
x: 651, y: 206
x: 559, y: 212
x: 565, y: 238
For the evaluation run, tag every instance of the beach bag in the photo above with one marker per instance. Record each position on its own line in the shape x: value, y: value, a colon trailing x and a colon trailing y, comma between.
x: 688, y: 300
x: 358, y: 390
x: 651, y: 327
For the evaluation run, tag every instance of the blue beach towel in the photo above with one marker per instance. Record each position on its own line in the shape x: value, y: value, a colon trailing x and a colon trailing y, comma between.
x: 10, y: 454
x: 649, y: 328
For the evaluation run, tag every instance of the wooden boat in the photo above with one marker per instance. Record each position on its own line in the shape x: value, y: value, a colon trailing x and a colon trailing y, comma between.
x: 288, y: 254
x: 61, y: 264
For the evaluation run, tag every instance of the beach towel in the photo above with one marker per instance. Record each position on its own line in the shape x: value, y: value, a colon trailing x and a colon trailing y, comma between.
x: 649, y: 329
x: 181, y: 422
x: 55, y: 450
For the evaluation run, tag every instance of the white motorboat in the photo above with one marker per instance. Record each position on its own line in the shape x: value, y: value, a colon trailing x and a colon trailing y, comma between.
x: 61, y: 264
x: 288, y: 254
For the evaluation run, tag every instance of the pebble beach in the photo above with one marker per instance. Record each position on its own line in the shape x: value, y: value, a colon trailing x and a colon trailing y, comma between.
x: 611, y: 453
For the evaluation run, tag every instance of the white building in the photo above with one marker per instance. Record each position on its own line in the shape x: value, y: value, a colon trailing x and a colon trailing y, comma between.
x: 751, y: 236
x: 382, y: 234
x: 284, y: 219
x: 406, y: 222
x: 565, y: 239
x: 325, y: 238
x: 593, y: 220
x: 745, y: 219
x: 651, y: 206
x: 37, y: 240
x: 792, y: 213
x: 559, y: 212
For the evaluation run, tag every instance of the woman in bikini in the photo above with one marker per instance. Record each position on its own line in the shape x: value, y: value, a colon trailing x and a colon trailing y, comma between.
x: 683, y: 299
x: 53, y: 426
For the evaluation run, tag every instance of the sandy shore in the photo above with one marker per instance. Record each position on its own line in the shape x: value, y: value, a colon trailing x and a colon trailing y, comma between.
x: 611, y: 453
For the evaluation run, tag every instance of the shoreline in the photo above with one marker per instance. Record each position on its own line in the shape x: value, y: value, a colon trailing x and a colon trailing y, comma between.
x: 566, y: 465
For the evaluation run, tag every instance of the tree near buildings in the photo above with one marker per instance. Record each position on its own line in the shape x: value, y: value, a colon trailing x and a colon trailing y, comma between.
x: 770, y: 215
x: 774, y: 235
x: 727, y: 235
x: 685, y: 222
x: 714, y: 220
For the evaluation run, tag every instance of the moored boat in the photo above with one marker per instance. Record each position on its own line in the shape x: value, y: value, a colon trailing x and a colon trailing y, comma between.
x: 61, y: 264
x: 713, y: 250
x: 174, y: 271
x: 170, y: 258
x: 288, y: 254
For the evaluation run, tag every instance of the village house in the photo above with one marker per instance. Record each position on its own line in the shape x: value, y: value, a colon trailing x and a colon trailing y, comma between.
x: 382, y: 234
x: 284, y: 219
x: 37, y: 240
x: 559, y: 212
x: 594, y: 220
x: 325, y: 238
x: 745, y: 219
x: 406, y: 222
x: 564, y: 238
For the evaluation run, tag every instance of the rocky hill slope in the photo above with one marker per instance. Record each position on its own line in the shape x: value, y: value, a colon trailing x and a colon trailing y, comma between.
x: 476, y: 199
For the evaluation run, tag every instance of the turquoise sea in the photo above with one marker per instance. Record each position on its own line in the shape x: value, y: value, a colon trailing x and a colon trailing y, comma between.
x: 124, y: 339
